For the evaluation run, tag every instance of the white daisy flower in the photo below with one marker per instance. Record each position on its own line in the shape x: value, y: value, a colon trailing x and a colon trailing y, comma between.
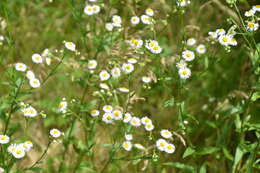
x: 213, y: 35
x: 55, y: 133
x: 146, y: 120
x: 107, y: 108
x: 135, y: 20
x: 136, y: 43
x: 149, y: 12
x: 88, y: 10
x: 135, y: 122
x: 191, y: 41
x: 4, y: 139
x: 156, y: 49
x: 70, y: 46
x: 30, y: 112
x: 132, y: 60
x: 92, y: 64
x: 104, y: 75
x: 63, y: 106
x: 224, y: 40
x: 184, y: 73
x: 104, y: 86
x: 108, y: 118
x: 37, y: 58
x: 116, y: 72
x: 11, y: 148
x: 250, y: 13
x: 188, y: 55
x: 251, y: 26
x: 128, y: 68
x: 109, y: 26
x: 149, y: 127
x: 117, y: 21
x: 20, y: 67
x: 127, y: 145
x: 233, y: 42
x: 123, y: 90
x: 166, y: 133
x: 201, y: 49
x: 139, y: 146
x: 117, y: 115
x: 161, y: 144
x: 256, y: 8
x: 96, y: 9
x: 146, y: 19
x: 127, y: 117
x: 146, y: 79
x: 48, y: 60
x: 30, y: 74
x: 220, y: 32
x: 169, y: 148
x: 35, y: 83
x: 18, y: 152
x: 27, y: 145
x: 94, y: 113
x: 181, y: 64
x: 150, y: 44
x: 128, y: 137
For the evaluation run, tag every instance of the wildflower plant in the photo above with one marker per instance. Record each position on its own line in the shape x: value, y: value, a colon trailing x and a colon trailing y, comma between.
x: 133, y: 86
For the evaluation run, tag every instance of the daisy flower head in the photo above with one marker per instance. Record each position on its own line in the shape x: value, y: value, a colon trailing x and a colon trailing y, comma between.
x: 104, y: 75
x: 30, y: 74
x: 128, y: 137
x: 116, y: 21
x: 37, y: 58
x: 128, y: 68
x: 184, y: 73
x: 104, y: 86
x: 224, y: 40
x: 132, y: 60
x: 20, y: 67
x: 256, y: 8
x: 48, y: 60
x: 96, y: 9
x: 149, y: 12
x: 183, y: 3
x: 161, y: 144
x: 166, y: 134
x: 127, y: 117
x: 63, y: 106
x: 135, y: 20
x: 151, y: 43
x: 146, y: 120
x: 92, y: 64
x: 4, y: 139
x: 233, y: 42
x: 136, y: 43
x: 116, y: 72
x: 108, y: 118
x: 220, y: 32
x: 30, y: 112
x: 135, y: 122
x: 169, y: 148
x: 35, y: 83
x: 18, y: 152
x: 156, y: 49
x: 70, y: 46
x: 201, y: 49
x: 27, y: 145
x: 127, y: 145
x: 55, y: 133
x: 181, y: 64
x: 149, y: 127
x: 94, y: 113
x: 146, y: 79
x: 118, y: 115
x: 109, y: 26
x: 213, y: 35
x: 146, y: 19
x: 88, y: 10
x: 188, y: 55
x: 191, y: 41
x: 251, y: 26
x: 250, y: 13
x: 107, y: 108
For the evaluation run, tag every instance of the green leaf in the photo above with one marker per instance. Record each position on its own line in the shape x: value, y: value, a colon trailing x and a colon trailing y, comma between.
x: 227, y: 154
x: 180, y: 166
x: 238, y: 156
x: 207, y: 150
x: 255, y: 96
x: 189, y: 151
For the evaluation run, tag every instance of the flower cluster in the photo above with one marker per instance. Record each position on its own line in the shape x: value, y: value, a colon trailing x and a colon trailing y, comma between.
x: 19, y: 150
